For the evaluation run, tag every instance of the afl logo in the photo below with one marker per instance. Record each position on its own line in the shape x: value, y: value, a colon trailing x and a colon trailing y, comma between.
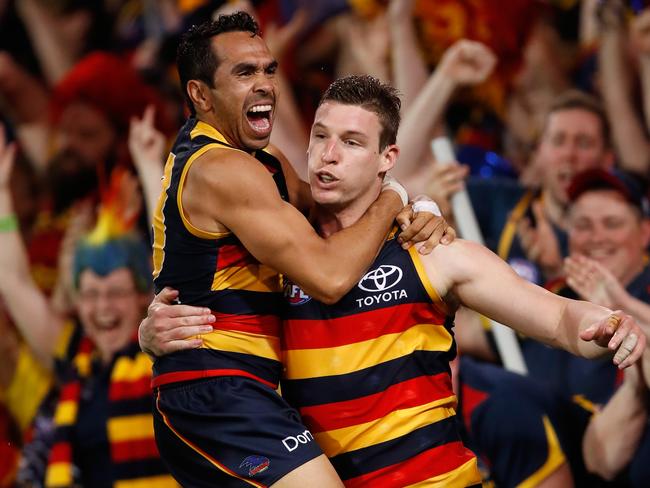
x: 294, y: 295
x: 383, y: 278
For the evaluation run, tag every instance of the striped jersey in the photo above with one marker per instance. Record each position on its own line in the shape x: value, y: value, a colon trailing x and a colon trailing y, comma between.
x: 370, y: 376
x: 215, y: 270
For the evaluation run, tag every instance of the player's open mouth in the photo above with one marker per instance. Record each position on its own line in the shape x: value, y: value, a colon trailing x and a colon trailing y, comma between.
x: 259, y: 118
x: 326, y: 178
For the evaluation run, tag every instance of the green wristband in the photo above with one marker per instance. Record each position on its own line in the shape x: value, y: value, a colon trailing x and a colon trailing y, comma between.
x: 8, y: 223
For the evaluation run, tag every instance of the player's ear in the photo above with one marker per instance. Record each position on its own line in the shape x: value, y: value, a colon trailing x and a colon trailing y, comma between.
x: 388, y: 158
x: 198, y: 92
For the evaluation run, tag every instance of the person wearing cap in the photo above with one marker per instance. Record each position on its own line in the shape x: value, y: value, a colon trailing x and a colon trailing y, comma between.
x: 608, y: 234
x: 608, y: 231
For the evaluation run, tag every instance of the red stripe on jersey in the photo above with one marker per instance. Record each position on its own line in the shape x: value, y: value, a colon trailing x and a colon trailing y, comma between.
x: 430, y: 463
x: 70, y: 391
x: 233, y: 255
x: 125, y: 451
x: 61, y: 453
x: 268, y: 325
x: 407, y: 394
x: 167, y: 378
x: 316, y: 334
x: 124, y: 390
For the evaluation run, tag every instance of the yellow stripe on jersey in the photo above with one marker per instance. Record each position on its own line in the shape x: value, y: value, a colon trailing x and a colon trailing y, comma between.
x: 309, y: 363
x: 159, y: 219
x: 160, y: 481
x: 424, y: 279
x: 131, y: 369
x: 66, y: 413
x: 58, y: 474
x: 203, y: 234
x: 465, y: 475
x: 254, y: 277
x: 396, y: 424
x: 129, y: 428
x: 554, y: 460
x: 203, y: 129
x: 243, y: 342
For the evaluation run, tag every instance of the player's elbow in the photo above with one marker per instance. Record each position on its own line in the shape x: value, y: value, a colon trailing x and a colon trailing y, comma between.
x: 331, y: 291
x: 330, y: 287
x: 600, y: 467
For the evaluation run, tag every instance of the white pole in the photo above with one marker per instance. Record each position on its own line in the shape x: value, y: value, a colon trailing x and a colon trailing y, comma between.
x: 468, y: 228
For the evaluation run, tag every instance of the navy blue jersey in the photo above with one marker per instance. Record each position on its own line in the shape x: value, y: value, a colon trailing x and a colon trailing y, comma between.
x: 215, y: 270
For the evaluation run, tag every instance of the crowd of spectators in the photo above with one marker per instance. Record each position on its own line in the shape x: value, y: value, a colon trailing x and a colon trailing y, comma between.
x: 538, y: 98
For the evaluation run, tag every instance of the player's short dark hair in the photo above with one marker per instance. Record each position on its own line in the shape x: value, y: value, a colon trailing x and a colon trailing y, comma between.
x: 195, y: 58
x: 576, y: 99
x: 373, y: 95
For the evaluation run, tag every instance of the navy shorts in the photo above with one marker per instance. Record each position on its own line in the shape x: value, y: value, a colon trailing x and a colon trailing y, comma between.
x: 229, y: 432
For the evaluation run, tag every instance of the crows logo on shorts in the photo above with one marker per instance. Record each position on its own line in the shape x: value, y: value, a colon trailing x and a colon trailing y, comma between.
x: 255, y: 464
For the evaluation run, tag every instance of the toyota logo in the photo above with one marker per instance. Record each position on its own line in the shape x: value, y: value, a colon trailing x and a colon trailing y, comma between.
x: 383, y: 278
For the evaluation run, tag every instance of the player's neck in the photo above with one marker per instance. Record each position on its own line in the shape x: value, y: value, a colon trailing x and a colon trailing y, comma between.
x: 330, y: 219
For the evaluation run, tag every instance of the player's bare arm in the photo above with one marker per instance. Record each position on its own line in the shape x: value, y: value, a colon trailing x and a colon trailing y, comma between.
x: 229, y: 190
x: 469, y: 274
x: 417, y: 227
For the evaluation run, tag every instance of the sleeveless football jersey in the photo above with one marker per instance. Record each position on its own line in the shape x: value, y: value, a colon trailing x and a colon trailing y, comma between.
x: 370, y: 376
x: 215, y: 270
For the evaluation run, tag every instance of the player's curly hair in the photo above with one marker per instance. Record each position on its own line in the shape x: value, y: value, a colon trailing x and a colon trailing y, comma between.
x: 195, y: 58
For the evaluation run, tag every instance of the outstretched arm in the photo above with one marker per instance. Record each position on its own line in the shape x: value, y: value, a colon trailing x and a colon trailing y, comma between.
x: 26, y: 304
x: 472, y: 275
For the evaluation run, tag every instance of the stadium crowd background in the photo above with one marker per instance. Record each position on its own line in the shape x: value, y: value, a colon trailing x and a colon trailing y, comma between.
x: 88, y: 87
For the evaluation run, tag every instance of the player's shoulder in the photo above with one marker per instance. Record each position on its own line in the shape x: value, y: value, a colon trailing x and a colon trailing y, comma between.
x: 220, y: 164
x: 225, y: 176
x: 455, y: 249
x: 456, y: 259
